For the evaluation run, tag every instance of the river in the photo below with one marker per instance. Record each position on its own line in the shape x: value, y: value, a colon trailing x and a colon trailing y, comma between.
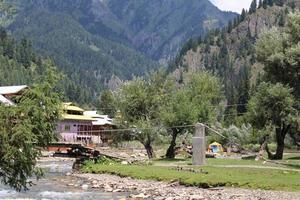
x: 55, y: 185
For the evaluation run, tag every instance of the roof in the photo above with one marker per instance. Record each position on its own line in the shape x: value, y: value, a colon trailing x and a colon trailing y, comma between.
x: 91, y: 114
x: 77, y: 117
x: 215, y: 144
x: 12, y: 89
x: 71, y: 106
x: 5, y: 101
x: 100, y: 119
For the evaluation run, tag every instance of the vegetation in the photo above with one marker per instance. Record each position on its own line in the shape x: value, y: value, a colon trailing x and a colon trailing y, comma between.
x: 25, y: 127
x: 196, y: 101
x: 208, y: 176
x: 91, y: 48
x: 246, y: 57
x: 155, y: 105
x: 273, y: 106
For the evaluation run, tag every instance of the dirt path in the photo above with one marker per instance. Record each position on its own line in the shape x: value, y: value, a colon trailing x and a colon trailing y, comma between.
x: 229, y: 166
x: 256, y: 167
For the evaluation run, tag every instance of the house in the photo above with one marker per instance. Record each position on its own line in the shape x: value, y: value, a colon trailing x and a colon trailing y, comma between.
x: 74, y: 126
x: 101, y: 127
x: 7, y: 93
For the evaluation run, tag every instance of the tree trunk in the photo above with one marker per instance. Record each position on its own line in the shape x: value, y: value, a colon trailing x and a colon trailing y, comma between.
x: 171, y: 150
x: 263, y: 147
x: 149, y: 150
x: 280, y: 137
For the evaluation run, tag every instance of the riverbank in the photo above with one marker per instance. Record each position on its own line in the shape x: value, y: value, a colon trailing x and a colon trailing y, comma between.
x: 149, y: 189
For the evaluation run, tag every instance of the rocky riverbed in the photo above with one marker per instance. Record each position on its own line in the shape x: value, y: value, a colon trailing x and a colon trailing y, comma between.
x: 144, y: 189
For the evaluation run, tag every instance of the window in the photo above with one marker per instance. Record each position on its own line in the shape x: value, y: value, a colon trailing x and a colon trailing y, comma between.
x: 67, y: 128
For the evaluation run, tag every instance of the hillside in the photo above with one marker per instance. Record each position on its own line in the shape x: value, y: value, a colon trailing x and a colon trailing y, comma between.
x: 94, y: 40
x: 230, y: 53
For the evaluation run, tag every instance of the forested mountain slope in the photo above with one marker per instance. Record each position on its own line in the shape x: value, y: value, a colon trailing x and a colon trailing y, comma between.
x: 230, y: 53
x: 94, y: 40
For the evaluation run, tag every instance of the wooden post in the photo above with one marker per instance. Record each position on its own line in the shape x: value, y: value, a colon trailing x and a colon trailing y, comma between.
x: 199, y: 145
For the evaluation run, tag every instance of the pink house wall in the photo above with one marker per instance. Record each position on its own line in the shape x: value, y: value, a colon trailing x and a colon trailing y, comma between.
x: 71, y: 134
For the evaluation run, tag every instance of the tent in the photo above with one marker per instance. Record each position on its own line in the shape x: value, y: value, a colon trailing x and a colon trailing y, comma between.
x: 215, y: 147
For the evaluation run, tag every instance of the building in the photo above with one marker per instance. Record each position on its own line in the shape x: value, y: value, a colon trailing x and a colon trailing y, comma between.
x: 74, y: 126
x: 7, y: 93
x: 101, y: 127
x: 88, y: 127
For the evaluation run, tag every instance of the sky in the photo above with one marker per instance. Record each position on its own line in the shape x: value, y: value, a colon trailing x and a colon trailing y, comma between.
x: 232, y: 5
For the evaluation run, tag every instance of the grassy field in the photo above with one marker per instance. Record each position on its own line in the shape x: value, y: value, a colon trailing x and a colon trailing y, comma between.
x: 212, y: 175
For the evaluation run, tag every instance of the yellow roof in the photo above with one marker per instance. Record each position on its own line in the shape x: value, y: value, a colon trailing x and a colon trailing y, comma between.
x: 70, y: 106
x: 77, y: 117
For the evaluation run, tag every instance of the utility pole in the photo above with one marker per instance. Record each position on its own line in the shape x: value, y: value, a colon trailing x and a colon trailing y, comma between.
x: 199, y: 145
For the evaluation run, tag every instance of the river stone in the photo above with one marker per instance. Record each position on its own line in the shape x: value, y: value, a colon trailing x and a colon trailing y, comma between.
x: 196, y: 197
x: 94, y: 182
x: 124, y: 163
x: 68, y: 174
x: 85, y: 186
x: 95, y: 186
x: 117, y: 190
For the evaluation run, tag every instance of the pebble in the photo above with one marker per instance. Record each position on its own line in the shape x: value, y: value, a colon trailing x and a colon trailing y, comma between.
x: 85, y: 186
x: 124, y: 163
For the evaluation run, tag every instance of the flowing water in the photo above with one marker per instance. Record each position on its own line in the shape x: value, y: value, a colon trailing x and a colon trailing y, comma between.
x: 56, y: 186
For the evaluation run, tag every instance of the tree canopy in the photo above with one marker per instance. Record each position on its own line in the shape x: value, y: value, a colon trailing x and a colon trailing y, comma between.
x: 27, y: 126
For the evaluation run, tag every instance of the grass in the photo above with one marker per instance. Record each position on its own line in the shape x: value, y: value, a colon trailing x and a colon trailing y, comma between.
x: 269, y: 179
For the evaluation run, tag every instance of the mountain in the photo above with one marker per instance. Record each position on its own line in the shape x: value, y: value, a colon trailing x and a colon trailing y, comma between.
x: 95, y: 40
x: 230, y: 53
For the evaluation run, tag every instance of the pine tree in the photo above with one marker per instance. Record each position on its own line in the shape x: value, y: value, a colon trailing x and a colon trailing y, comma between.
x: 243, y: 15
x: 260, y: 3
x: 229, y: 27
x: 265, y: 4
x: 253, y: 7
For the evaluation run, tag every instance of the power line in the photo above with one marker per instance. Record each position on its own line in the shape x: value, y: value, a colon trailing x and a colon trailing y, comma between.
x: 153, y: 128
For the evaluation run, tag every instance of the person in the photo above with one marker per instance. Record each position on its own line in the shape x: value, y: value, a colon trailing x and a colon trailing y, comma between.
x: 96, y: 155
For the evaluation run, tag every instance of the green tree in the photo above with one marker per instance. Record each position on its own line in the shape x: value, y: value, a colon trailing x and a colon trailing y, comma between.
x: 25, y: 127
x: 196, y: 101
x: 139, y: 102
x: 175, y: 114
x: 253, y: 7
x: 106, y: 103
x: 279, y: 52
x: 272, y: 105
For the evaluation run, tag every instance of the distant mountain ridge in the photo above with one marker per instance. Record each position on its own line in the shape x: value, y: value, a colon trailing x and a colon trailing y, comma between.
x: 94, y: 40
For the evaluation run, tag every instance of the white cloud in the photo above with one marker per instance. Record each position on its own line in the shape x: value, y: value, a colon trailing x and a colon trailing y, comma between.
x: 232, y: 5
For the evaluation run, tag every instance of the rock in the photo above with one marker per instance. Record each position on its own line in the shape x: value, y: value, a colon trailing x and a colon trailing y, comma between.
x: 68, y: 174
x: 107, y: 188
x: 95, y: 186
x: 140, y: 196
x: 124, y: 163
x: 169, y: 198
x: 94, y: 182
x: 70, y: 184
x: 85, y: 186
x: 196, y: 197
x: 117, y: 190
